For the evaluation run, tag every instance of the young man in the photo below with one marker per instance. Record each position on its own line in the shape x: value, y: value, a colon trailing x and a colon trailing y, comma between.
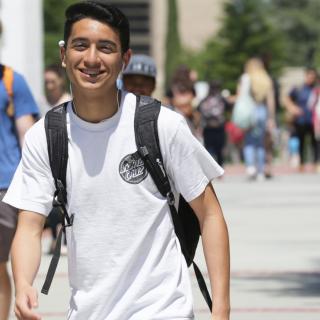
x: 17, y: 115
x: 125, y: 261
x: 140, y: 75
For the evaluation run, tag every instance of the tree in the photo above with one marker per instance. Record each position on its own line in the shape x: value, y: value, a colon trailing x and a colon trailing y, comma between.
x: 53, y: 26
x: 299, y: 22
x: 173, y: 44
x: 246, y: 31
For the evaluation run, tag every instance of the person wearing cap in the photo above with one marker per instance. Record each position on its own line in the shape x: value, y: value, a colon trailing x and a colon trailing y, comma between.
x: 139, y: 77
x: 125, y: 261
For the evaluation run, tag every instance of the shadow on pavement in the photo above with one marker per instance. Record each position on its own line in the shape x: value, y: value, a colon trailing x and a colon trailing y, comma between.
x: 303, y: 284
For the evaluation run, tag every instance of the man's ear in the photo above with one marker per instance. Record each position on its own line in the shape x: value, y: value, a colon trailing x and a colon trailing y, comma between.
x: 63, y: 56
x: 126, y: 57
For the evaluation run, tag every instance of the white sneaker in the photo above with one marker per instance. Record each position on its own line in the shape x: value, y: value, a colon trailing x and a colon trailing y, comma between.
x: 251, y: 172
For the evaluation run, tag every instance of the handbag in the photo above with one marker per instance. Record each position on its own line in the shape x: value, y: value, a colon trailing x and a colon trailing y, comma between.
x: 244, y: 107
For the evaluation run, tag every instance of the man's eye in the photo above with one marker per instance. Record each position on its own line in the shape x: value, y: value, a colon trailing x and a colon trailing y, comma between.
x: 79, y: 46
x: 106, y: 49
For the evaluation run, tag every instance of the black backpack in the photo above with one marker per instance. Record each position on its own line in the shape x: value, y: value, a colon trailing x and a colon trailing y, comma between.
x: 185, y: 222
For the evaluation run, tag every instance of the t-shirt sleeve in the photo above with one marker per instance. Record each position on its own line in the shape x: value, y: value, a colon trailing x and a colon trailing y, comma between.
x: 189, y: 165
x: 32, y: 186
x: 24, y: 103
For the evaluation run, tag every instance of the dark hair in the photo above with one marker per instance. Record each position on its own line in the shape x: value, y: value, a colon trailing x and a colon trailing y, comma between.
x: 102, y: 12
x: 57, y: 69
x: 311, y: 69
x: 214, y: 87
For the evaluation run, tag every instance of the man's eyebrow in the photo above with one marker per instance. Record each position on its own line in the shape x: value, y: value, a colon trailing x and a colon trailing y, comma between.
x: 108, y: 42
x: 79, y: 39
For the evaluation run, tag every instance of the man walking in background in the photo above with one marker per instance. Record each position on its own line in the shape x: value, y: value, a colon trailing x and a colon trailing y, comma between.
x: 17, y: 114
x: 297, y: 105
x: 139, y: 77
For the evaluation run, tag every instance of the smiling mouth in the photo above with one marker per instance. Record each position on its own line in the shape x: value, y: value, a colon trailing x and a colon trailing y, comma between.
x: 91, y: 73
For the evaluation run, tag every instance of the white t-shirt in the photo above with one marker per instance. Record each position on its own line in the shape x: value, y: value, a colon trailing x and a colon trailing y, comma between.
x: 125, y: 261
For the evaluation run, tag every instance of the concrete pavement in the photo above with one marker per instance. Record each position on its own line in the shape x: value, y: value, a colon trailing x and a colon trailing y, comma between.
x: 274, y: 234
x: 275, y: 258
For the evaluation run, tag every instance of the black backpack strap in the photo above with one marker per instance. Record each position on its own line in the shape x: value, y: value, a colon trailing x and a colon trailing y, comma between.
x: 147, y: 140
x: 57, y: 140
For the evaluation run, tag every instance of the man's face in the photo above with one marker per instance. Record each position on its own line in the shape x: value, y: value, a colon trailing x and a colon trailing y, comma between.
x: 310, y: 77
x: 93, y: 57
x: 138, y: 84
x: 53, y: 84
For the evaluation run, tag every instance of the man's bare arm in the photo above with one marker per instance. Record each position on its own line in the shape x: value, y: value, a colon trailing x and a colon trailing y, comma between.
x: 215, y: 242
x: 291, y: 106
x: 26, y: 256
x: 22, y: 124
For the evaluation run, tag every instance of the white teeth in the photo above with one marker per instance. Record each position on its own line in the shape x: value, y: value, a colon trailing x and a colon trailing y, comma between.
x: 91, y: 73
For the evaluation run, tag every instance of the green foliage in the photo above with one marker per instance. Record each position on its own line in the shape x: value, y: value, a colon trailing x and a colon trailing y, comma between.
x: 299, y: 22
x: 246, y: 31
x: 53, y: 26
x: 173, y: 44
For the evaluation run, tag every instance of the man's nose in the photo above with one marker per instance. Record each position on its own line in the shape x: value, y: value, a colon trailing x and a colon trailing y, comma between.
x: 92, y: 56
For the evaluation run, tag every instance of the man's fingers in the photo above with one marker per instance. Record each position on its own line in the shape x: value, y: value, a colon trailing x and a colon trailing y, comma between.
x: 33, y: 298
x: 25, y: 304
x: 23, y: 312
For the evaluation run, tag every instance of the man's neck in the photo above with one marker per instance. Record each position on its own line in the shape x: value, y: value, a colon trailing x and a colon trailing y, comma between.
x: 93, y: 107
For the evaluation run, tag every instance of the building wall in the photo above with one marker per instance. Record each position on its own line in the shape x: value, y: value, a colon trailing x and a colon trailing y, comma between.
x: 198, y: 21
x: 22, y: 40
x: 158, y: 39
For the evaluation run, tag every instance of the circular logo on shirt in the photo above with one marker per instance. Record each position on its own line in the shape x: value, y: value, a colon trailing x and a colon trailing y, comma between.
x: 132, y: 169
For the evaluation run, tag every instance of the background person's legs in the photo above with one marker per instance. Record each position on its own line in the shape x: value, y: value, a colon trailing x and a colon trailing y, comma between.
x: 5, y: 292
x: 8, y: 223
x: 301, y: 134
x: 6, y: 236
x: 250, y: 160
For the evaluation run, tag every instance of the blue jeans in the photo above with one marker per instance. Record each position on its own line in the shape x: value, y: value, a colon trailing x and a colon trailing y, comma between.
x: 254, y: 141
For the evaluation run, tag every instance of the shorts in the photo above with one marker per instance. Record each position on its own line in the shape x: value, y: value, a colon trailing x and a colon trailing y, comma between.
x: 8, y: 223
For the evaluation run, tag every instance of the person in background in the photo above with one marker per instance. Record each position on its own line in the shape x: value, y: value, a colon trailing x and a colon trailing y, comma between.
x: 264, y: 117
x: 314, y: 105
x: 181, y: 97
x: 212, y: 110
x: 297, y: 105
x: 55, y: 85
x: 139, y: 77
x: 18, y: 112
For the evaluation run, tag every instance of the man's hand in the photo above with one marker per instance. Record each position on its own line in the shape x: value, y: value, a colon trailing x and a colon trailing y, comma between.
x: 221, y: 316
x: 296, y: 111
x: 26, y: 301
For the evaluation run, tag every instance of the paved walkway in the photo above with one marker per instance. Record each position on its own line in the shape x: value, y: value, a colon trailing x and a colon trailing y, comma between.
x: 275, y: 238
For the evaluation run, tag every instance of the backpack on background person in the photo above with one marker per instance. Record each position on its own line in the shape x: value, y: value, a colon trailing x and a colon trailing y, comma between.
x: 212, y: 111
x: 6, y: 75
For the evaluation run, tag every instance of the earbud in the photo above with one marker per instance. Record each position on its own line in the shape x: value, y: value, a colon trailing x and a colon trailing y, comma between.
x: 61, y: 43
x: 123, y: 66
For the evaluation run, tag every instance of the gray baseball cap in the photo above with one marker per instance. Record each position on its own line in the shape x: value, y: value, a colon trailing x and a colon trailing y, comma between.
x: 141, y: 64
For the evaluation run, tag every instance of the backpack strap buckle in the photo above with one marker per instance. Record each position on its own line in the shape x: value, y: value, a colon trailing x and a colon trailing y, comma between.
x: 170, y: 198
